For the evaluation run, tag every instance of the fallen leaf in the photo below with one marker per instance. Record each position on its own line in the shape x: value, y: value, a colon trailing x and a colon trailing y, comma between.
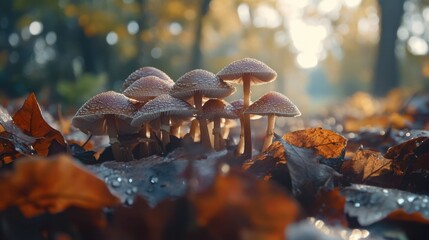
x: 329, y: 207
x: 412, y: 155
x: 88, y: 224
x: 13, y: 136
x: 307, y: 174
x: 167, y: 220
x: 239, y: 206
x: 326, y: 145
x: 371, y: 204
x: 365, y: 166
x: 30, y: 120
x: 410, y: 160
x: 52, y: 185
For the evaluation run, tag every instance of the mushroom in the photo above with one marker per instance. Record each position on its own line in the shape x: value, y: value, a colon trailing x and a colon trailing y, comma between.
x: 273, y: 104
x: 108, y: 113
x: 145, y: 72
x: 238, y: 108
x: 198, y: 83
x: 214, y: 110
x: 147, y: 88
x: 247, y: 71
x: 162, y: 108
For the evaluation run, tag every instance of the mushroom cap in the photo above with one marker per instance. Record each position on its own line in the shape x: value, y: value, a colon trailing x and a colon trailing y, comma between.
x: 202, y: 81
x: 259, y: 72
x: 162, y: 105
x: 238, y: 107
x: 91, y: 116
x: 215, y: 108
x: 146, y: 88
x: 145, y: 72
x: 274, y: 103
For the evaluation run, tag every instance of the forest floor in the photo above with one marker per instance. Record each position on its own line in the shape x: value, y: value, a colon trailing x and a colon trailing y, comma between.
x: 358, y: 171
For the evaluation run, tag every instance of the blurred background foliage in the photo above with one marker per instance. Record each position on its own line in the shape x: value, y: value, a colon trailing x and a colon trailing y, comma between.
x: 323, y: 50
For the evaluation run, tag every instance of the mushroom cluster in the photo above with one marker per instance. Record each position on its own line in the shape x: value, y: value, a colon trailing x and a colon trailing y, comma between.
x: 153, y: 108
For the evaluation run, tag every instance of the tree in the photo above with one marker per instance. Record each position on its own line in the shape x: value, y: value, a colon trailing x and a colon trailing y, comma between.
x: 386, y: 75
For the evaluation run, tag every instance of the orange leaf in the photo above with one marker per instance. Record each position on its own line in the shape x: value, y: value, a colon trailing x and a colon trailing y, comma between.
x: 30, y: 119
x: 325, y: 143
x: 239, y: 206
x: 329, y: 206
x: 52, y: 185
x: 366, y: 164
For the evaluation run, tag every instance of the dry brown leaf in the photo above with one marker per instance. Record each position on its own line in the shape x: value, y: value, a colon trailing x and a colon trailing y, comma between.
x: 364, y: 165
x: 326, y: 144
x: 30, y: 119
x: 52, y: 185
x: 329, y: 206
x: 239, y: 206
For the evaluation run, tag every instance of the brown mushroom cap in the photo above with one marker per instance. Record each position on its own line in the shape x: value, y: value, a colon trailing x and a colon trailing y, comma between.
x: 238, y: 107
x: 145, y: 72
x: 147, y: 88
x: 215, y: 108
x: 201, y: 81
x: 163, y: 104
x: 91, y: 116
x: 274, y: 103
x: 259, y: 72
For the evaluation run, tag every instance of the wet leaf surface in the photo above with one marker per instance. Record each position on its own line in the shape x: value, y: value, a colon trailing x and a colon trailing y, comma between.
x: 155, y: 178
x: 371, y: 204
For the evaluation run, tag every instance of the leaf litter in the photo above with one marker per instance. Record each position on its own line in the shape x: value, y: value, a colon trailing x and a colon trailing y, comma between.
x: 310, y: 182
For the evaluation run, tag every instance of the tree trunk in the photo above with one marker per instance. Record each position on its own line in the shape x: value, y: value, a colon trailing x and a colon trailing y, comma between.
x: 196, y: 48
x: 386, y: 75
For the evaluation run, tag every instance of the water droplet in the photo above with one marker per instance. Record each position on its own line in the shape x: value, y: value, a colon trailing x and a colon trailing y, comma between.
x: 385, y: 191
x: 130, y: 180
x: 400, y: 201
x: 425, y: 200
x: 357, y: 204
x: 129, y: 191
x: 153, y: 179
x: 119, y: 179
x: 115, y: 183
x: 411, y: 198
x: 407, y: 134
x: 129, y: 201
x: 134, y: 189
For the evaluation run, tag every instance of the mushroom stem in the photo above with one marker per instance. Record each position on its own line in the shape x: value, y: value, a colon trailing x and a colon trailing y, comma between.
x: 193, y: 129
x: 246, y: 118
x: 155, y: 136
x: 165, y: 130
x: 119, y: 152
x: 217, y: 134
x: 240, y: 146
x: 144, y: 144
x: 225, y: 132
x: 146, y: 130
x: 205, y: 136
x: 175, y: 130
x: 270, y: 132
